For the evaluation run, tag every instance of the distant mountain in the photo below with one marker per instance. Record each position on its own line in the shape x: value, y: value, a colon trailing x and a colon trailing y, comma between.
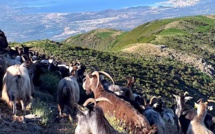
x: 58, y: 26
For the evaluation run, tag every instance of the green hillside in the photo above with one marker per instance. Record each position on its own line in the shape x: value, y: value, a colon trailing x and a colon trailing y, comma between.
x: 193, y: 35
x: 155, y: 76
x: 181, y: 33
x: 97, y: 39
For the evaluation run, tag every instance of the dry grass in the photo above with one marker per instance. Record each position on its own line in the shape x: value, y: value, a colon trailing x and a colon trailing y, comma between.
x: 145, y: 49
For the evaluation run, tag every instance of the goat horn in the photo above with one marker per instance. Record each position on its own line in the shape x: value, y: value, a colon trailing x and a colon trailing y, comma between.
x: 186, y: 93
x: 90, y: 100
x: 103, y: 99
x: 200, y: 100
x: 107, y: 76
x: 211, y: 101
x: 97, y: 75
x: 153, y: 97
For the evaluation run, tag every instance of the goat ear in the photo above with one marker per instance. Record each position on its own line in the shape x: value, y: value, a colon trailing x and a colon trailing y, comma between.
x: 196, y: 105
x: 188, y: 98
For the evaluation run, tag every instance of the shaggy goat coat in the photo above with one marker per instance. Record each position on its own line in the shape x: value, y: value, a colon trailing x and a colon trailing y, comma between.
x: 68, y: 93
x: 17, y: 85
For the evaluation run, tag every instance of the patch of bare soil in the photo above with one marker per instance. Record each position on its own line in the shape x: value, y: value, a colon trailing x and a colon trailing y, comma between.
x: 10, y: 124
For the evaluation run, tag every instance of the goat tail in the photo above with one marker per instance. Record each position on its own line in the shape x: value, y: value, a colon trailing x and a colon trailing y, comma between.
x: 19, y: 81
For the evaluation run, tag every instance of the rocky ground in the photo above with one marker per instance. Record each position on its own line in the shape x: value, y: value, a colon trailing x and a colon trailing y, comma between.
x: 10, y: 124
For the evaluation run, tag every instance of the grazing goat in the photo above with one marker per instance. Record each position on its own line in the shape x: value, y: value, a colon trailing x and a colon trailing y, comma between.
x: 91, y: 120
x: 121, y: 109
x: 197, y: 125
x: 154, y: 117
x: 17, y: 86
x: 68, y: 92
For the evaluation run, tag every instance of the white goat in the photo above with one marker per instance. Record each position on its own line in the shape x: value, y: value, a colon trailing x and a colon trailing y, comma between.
x: 17, y: 86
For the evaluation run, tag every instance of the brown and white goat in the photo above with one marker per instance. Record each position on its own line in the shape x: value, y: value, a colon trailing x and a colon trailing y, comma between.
x: 91, y: 120
x: 197, y: 125
x: 121, y: 109
x: 68, y: 93
x: 17, y: 86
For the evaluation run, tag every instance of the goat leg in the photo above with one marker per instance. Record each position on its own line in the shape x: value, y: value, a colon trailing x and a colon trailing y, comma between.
x: 71, y: 111
x: 14, y: 107
x: 23, y: 109
x: 60, y: 108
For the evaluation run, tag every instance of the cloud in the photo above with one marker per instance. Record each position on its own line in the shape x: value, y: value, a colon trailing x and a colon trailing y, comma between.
x: 179, y: 3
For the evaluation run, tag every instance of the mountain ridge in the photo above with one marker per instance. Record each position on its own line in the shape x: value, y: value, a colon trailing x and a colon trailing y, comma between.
x: 22, y: 27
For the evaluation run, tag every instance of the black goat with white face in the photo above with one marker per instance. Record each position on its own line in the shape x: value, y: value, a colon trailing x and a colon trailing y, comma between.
x: 91, y: 120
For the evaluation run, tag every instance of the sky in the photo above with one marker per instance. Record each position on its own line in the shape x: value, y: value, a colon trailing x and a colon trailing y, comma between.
x: 51, y: 6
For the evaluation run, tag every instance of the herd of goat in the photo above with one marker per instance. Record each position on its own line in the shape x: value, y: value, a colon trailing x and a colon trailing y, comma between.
x: 20, y: 70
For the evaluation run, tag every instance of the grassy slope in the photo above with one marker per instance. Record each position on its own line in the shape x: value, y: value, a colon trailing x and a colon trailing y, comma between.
x: 154, y: 76
x: 187, y: 34
x: 194, y: 35
x: 96, y: 39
